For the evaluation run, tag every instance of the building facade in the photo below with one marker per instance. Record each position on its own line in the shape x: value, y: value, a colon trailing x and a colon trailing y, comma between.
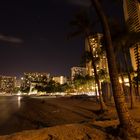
x: 7, y: 84
x: 132, y: 18
x: 78, y: 71
x: 132, y: 14
x: 30, y: 80
x: 60, y: 79
x: 135, y: 57
x: 95, y: 42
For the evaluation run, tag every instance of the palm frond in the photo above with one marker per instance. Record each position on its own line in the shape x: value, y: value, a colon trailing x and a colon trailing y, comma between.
x: 83, y: 23
x: 74, y: 34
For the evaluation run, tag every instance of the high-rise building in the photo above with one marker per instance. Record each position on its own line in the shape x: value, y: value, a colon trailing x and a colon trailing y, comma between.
x: 7, y: 84
x: 132, y: 14
x: 135, y: 57
x: 60, y: 79
x: 36, y: 76
x: 132, y: 18
x: 77, y: 71
x: 95, y: 42
x: 31, y: 79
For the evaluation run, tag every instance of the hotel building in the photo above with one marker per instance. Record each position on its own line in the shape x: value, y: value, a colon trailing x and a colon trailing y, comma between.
x: 95, y: 42
x: 7, y: 84
x: 78, y: 71
x: 132, y: 18
x: 60, y: 79
x: 33, y: 78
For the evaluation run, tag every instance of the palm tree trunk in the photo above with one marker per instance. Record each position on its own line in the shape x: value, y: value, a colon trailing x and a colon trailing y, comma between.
x: 126, y: 121
x: 132, y: 105
x: 123, y: 85
x: 138, y: 70
x: 132, y: 98
x: 102, y: 104
x: 96, y: 92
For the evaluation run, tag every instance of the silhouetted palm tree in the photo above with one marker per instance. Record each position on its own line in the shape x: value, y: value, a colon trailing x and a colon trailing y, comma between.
x: 84, y: 26
x: 123, y: 42
x: 126, y: 121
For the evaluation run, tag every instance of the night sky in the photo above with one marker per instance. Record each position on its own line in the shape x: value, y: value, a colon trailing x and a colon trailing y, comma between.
x: 33, y: 37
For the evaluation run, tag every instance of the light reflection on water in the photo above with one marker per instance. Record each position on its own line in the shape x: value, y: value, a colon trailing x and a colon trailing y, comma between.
x: 19, y: 101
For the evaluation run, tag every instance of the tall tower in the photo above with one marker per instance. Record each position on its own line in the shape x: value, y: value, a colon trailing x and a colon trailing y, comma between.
x: 132, y: 18
x: 95, y: 42
x: 132, y: 14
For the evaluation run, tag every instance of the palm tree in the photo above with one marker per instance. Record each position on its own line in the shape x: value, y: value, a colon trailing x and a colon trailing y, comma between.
x: 103, y: 106
x: 103, y: 74
x: 84, y: 26
x: 123, y: 42
x: 126, y: 121
x: 105, y: 80
x: 136, y: 48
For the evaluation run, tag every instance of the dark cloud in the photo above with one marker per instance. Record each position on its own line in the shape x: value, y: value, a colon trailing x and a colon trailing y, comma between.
x: 10, y: 39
